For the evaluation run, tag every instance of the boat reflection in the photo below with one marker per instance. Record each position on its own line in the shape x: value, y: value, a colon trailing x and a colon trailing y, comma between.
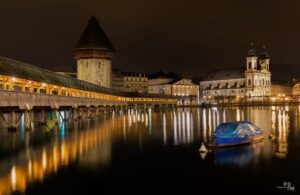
x: 238, y: 156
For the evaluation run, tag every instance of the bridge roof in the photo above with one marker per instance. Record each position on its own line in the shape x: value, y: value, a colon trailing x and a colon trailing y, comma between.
x: 12, y: 68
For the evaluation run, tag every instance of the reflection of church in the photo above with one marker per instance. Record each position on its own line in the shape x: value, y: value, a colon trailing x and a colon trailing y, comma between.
x: 255, y: 80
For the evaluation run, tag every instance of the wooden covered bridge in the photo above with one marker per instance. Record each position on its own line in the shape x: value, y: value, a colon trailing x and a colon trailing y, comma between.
x: 24, y: 88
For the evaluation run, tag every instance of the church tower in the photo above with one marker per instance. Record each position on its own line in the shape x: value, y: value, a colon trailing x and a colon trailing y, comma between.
x: 251, y: 71
x: 93, y: 55
x: 265, y: 74
x: 258, y: 76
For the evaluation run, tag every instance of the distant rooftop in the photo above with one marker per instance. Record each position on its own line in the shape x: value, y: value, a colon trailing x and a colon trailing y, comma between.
x: 224, y: 74
x: 164, y: 74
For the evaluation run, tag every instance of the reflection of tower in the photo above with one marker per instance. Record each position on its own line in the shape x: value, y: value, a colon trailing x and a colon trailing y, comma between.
x: 258, y: 77
x: 93, y: 55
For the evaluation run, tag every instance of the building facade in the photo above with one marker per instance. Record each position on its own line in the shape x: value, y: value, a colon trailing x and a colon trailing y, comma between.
x: 281, y: 89
x: 130, y: 81
x: 254, y: 80
x: 117, y: 80
x: 296, y: 89
x: 136, y: 82
x: 185, y: 90
x: 93, y: 55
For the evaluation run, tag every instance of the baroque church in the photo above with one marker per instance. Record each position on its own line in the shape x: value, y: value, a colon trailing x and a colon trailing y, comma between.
x: 251, y: 80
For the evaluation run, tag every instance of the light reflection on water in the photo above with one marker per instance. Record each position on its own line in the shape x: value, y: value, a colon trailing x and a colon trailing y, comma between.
x: 90, y: 142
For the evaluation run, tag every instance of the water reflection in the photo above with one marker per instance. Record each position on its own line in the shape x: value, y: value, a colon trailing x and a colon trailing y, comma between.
x: 33, y: 164
x: 280, y: 129
x: 183, y: 126
x: 36, y: 154
x: 238, y: 156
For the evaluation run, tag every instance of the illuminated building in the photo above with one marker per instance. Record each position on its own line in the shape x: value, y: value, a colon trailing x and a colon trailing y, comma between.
x: 252, y: 81
x: 296, y: 89
x: 129, y: 81
x: 171, y: 84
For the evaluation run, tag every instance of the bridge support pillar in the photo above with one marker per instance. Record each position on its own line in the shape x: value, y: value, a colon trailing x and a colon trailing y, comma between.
x: 56, y: 116
x: 97, y: 111
x: 3, y: 119
x: 12, y: 122
x: 41, y: 118
x: 27, y: 120
x: 89, y: 114
x: 74, y: 114
x: 66, y: 115
x: 79, y: 113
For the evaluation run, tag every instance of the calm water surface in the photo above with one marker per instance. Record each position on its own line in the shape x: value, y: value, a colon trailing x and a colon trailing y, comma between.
x: 147, y: 152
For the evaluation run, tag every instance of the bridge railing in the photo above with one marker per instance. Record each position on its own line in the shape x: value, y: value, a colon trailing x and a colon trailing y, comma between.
x: 25, y: 100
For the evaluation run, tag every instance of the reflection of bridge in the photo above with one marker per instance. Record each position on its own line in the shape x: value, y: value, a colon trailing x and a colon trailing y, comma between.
x: 34, y: 163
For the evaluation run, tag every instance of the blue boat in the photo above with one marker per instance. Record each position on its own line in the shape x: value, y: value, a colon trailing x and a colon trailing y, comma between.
x: 237, y: 133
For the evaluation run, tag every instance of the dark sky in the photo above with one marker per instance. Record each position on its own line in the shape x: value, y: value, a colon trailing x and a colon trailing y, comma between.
x: 185, y: 36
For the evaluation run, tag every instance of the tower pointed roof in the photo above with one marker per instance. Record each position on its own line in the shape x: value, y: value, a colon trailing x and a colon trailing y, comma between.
x: 93, y: 37
x: 251, y: 52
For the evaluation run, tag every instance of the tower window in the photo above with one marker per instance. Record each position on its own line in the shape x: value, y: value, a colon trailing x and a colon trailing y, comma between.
x: 249, y: 65
x: 249, y: 82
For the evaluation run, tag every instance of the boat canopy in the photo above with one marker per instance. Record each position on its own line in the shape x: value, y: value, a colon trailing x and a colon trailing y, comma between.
x: 236, y: 128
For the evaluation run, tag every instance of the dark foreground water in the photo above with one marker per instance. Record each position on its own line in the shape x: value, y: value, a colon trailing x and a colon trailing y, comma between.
x: 153, y: 153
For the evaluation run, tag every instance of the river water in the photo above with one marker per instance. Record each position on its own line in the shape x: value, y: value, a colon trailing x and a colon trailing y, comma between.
x: 152, y: 152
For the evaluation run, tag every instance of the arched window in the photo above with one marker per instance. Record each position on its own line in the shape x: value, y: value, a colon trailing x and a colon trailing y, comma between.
x: 249, y: 65
x: 249, y: 82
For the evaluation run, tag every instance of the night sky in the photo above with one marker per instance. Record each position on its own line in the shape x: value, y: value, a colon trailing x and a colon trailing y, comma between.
x: 188, y: 37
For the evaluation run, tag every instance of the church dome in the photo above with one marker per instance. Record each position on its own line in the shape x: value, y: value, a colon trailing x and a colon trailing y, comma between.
x: 264, y: 54
x: 251, y: 51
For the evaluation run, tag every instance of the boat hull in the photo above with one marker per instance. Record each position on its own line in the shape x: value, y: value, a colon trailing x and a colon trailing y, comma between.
x: 233, y: 141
